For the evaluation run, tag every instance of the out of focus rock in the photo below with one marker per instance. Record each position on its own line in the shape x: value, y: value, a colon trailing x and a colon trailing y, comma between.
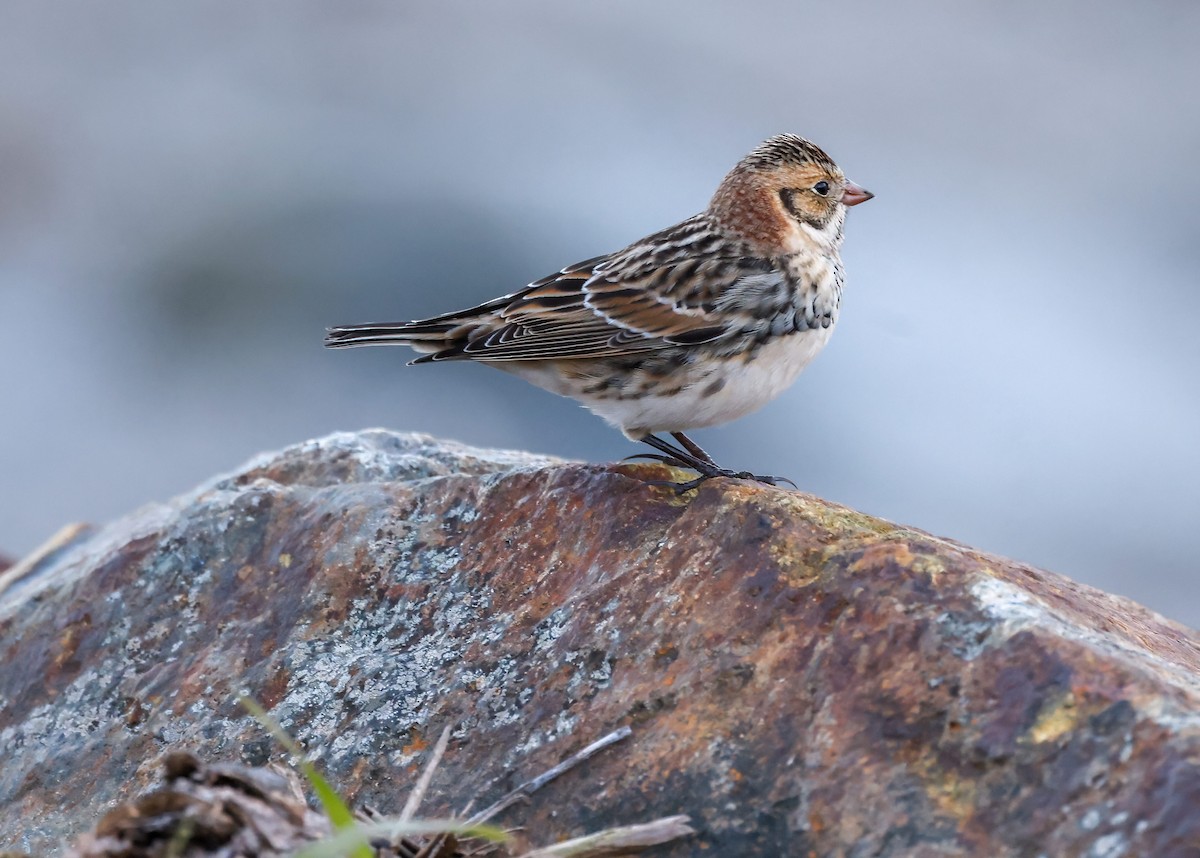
x: 800, y: 678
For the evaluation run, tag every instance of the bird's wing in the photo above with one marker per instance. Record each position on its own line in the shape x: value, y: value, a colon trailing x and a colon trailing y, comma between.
x: 685, y: 285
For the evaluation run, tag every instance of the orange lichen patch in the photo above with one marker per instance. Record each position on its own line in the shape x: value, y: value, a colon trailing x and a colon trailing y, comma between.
x: 953, y: 795
x: 879, y: 553
x: 416, y: 745
x: 68, y: 643
x: 135, y: 713
x: 1055, y: 719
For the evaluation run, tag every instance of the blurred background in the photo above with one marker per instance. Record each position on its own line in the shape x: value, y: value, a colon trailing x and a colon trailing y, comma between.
x: 190, y: 193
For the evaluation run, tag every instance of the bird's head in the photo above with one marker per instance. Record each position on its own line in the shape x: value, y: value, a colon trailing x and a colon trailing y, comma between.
x: 786, y: 196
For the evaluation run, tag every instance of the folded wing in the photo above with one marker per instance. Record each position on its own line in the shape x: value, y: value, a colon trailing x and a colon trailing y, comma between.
x: 683, y: 286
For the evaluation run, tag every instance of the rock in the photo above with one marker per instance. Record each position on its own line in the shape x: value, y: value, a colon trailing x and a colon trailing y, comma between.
x: 800, y: 678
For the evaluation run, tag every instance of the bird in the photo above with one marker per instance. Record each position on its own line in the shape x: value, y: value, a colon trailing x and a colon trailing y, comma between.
x: 693, y: 326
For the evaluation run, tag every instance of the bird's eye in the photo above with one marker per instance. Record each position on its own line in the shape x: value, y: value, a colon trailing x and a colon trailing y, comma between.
x: 821, y: 188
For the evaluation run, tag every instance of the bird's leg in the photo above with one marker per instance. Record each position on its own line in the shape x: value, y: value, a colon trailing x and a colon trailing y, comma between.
x: 674, y: 456
x: 690, y: 455
x: 693, y: 448
x: 657, y: 457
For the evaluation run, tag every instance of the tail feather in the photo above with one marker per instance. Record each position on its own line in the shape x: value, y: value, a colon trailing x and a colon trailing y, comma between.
x: 434, y: 334
x: 419, y: 335
x: 434, y: 340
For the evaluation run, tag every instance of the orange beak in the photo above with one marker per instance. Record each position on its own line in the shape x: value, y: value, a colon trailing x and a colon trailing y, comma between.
x: 854, y: 194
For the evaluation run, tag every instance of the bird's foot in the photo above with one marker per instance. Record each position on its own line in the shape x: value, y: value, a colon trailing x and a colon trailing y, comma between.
x: 733, y: 475
x: 690, y: 455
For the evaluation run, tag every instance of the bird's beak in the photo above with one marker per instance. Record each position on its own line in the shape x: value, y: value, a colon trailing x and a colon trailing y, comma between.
x: 854, y: 194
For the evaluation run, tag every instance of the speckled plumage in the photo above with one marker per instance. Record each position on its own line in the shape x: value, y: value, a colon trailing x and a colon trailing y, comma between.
x: 692, y: 326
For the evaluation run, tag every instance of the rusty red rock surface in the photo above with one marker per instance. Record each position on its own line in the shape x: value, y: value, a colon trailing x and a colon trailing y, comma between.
x: 801, y: 679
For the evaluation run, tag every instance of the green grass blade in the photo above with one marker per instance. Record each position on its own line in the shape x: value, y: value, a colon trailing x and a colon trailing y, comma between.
x: 339, y: 813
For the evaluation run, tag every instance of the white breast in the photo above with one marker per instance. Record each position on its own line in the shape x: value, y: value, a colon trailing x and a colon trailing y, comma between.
x: 716, y: 392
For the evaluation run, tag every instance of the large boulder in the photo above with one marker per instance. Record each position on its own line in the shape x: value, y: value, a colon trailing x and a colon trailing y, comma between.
x: 800, y: 678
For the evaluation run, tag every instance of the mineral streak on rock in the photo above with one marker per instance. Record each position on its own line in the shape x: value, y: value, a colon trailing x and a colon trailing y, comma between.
x: 801, y: 679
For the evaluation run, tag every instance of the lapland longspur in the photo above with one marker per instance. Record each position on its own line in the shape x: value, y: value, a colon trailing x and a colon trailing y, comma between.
x: 692, y: 326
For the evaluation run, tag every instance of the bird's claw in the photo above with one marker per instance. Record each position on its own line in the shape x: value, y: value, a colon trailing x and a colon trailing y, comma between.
x: 682, y: 488
x: 763, y: 478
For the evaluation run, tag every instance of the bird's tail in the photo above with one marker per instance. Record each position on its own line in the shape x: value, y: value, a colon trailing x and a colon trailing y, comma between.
x: 422, y: 336
x: 437, y: 338
x: 434, y: 340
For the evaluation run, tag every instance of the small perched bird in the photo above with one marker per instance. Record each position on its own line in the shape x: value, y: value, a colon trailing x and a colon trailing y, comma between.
x: 692, y: 326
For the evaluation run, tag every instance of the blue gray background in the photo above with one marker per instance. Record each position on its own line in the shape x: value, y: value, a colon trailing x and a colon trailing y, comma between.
x: 191, y: 192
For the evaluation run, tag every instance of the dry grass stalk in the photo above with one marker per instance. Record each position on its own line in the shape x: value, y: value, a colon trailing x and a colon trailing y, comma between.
x: 618, y: 841
x: 234, y: 810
